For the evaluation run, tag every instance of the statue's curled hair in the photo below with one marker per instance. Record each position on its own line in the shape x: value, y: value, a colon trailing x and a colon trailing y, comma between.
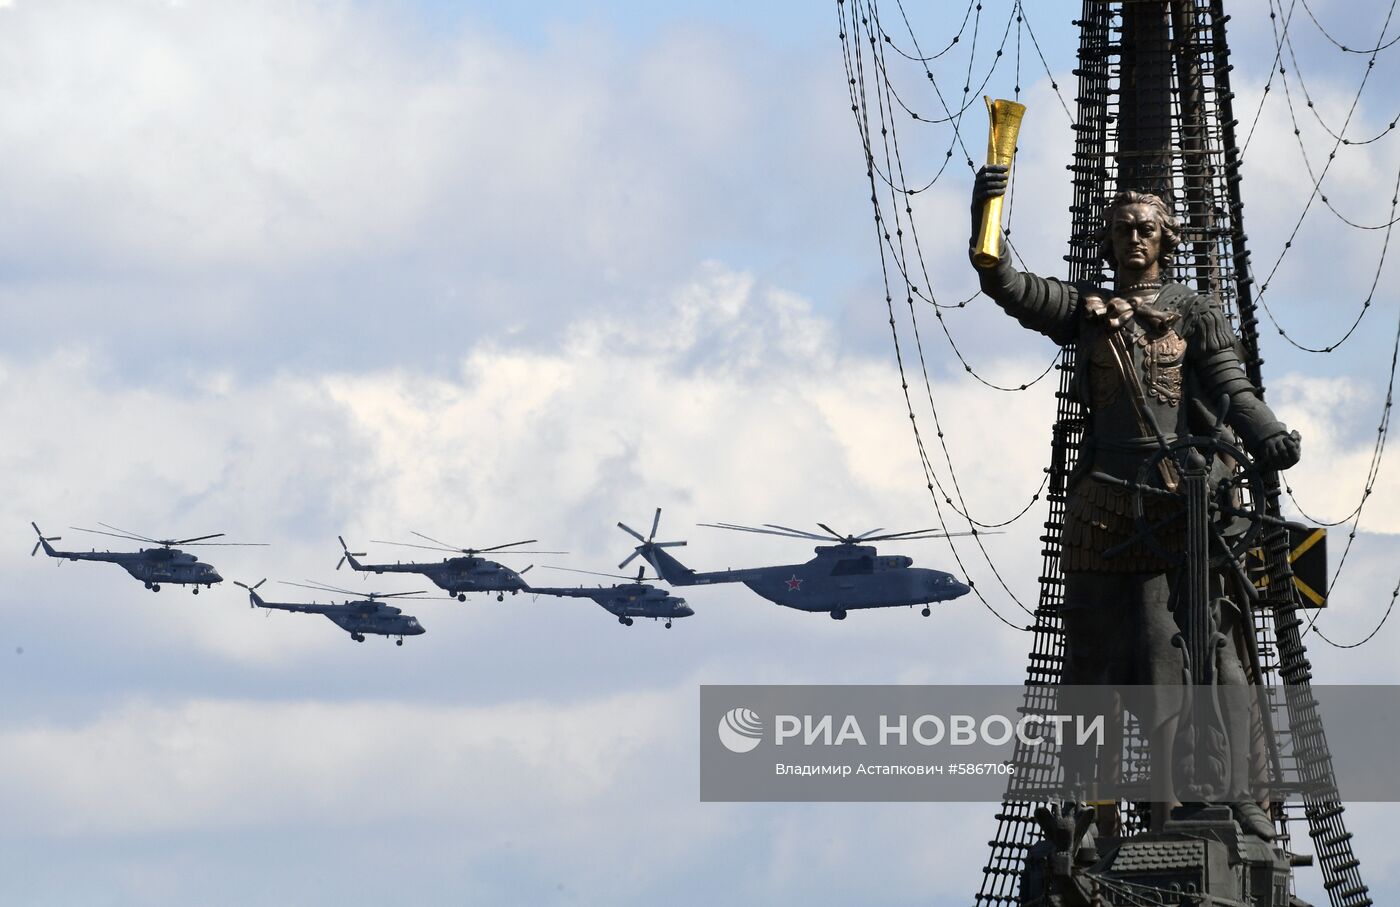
x: 1171, y: 227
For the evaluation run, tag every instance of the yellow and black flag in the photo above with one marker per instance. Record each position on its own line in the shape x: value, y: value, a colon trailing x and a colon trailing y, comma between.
x: 1307, y: 555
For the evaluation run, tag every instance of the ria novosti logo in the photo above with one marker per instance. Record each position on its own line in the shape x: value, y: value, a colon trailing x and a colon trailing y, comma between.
x: 740, y: 730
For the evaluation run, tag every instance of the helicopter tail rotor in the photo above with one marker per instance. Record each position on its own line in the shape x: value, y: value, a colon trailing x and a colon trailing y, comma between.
x: 648, y: 543
x: 348, y: 555
x: 253, y: 598
x: 43, y: 541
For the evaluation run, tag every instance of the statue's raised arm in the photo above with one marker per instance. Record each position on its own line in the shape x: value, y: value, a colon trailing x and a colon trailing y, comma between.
x: 1047, y: 306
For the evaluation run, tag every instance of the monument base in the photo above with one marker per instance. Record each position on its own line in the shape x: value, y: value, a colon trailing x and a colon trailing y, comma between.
x: 1200, y: 857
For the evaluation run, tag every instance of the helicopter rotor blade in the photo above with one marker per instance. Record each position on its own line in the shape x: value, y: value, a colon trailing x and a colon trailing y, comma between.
x: 221, y: 544
x: 437, y: 541
x: 135, y: 535
x: 591, y: 572
x: 632, y: 532
x: 786, y: 533
x: 322, y: 587
x: 129, y: 538
x: 346, y: 548
x: 868, y: 534
x: 499, y: 547
x: 412, y: 545
x: 42, y: 539
x: 655, y: 521
x: 630, y: 558
x: 895, y: 535
x: 467, y: 551
x: 838, y: 536
x: 930, y: 534
x: 805, y: 533
x: 198, y: 538
x: 319, y: 587
x: 525, y: 571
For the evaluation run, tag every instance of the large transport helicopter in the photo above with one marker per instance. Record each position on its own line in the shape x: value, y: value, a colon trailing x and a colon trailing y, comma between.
x: 358, y: 617
x: 627, y: 601
x: 457, y: 575
x: 152, y: 566
x: 842, y: 577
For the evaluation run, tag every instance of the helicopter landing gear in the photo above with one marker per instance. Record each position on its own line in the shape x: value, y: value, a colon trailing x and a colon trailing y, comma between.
x: 155, y: 587
x: 500, y: 597
x: 148, y: 585
x: 926, y: 612
x: 195, y: 590
x: 838, y: 614
x: 357, y: 637
x: 668, y: 625
x: 461, y: 596
x: 625, y: 621
x: 399, y: 641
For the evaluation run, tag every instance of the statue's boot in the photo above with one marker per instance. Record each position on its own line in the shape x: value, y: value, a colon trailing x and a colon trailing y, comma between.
x: 1253, y: 820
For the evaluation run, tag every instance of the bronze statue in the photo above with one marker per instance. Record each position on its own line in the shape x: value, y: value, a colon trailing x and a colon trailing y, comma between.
x: 1154, y: 359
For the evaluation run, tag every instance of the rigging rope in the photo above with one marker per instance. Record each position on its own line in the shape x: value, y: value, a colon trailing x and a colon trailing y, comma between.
x: 1342, y: 47
x: 855, y: 67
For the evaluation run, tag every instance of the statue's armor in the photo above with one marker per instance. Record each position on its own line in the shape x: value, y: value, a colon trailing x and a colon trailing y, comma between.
x: 1166, y: 369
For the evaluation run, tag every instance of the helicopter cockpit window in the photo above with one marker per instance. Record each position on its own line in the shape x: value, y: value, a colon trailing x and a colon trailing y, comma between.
x: 853, y: 565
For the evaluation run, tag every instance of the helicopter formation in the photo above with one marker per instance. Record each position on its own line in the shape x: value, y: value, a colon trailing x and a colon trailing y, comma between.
x: 847, y: 573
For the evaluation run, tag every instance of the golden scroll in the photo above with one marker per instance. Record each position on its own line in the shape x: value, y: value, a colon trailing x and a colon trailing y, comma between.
x: 1005, y: 119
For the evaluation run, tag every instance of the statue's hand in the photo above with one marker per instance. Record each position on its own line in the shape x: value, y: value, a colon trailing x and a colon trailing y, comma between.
x: 990, y: 182
x: 1281, y: 451
x: 1114, y: 312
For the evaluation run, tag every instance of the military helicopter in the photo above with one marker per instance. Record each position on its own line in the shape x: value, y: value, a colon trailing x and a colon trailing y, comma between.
x: 845, y: 576
x: 457, y: 575
x: 357, y: 618
x: 153, y: 566
x: 627, y: 601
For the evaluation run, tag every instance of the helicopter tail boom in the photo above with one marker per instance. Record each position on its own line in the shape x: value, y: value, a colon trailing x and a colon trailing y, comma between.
x: 666, y: 566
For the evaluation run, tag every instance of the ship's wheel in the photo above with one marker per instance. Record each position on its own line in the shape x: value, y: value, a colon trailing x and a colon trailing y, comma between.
x: 1236, y: 509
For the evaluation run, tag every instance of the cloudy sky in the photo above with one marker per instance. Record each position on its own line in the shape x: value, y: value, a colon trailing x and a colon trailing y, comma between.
x: 295, y: 269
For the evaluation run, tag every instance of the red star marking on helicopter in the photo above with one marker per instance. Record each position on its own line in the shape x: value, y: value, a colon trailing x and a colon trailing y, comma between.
x: 794, y: 584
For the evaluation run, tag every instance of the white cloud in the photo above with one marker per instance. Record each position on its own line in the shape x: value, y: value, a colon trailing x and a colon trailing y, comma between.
x: 144, y: 768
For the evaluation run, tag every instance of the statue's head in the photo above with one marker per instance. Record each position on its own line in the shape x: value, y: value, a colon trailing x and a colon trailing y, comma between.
x: 1139, y: 229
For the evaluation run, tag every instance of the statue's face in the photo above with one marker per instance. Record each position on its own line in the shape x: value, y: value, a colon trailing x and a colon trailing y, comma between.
x: 1136, y: 234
